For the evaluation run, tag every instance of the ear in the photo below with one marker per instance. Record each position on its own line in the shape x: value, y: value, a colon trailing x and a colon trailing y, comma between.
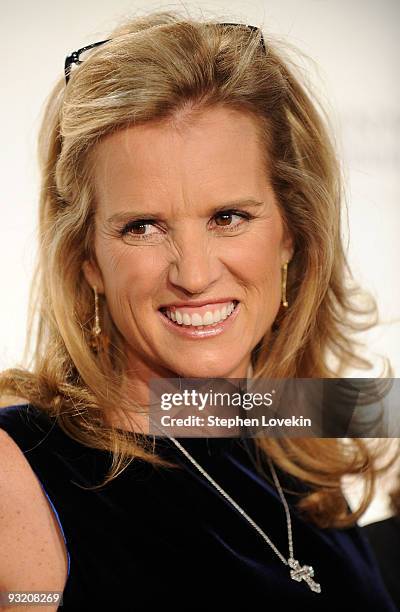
x: 93, y: 275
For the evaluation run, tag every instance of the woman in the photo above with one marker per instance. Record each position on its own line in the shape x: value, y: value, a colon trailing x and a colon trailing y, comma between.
x: 187, y: 173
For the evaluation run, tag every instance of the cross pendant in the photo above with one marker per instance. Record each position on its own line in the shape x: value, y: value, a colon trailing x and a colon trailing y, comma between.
x: 303, y: 572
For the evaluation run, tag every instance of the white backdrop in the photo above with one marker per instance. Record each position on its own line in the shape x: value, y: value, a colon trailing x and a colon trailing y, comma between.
x: 355, y: 48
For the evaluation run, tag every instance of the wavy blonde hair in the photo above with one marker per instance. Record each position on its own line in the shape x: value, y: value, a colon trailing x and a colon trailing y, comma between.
x: 154, y: 67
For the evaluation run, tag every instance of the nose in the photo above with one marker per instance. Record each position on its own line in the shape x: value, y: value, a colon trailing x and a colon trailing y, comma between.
x: 194, y: 267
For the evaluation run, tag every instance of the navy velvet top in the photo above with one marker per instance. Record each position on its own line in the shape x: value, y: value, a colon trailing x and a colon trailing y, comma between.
x: 165, y: 537
x: 384, y: 537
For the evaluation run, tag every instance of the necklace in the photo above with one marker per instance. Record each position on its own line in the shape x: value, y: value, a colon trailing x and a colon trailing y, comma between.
x: 297, y: 572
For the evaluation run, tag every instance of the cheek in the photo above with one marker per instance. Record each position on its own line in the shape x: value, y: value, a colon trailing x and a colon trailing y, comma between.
x: 256, y: 258
x: 129, y: 273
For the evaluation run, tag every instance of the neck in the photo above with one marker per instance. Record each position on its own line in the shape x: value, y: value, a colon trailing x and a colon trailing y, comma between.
x: 136, y: 386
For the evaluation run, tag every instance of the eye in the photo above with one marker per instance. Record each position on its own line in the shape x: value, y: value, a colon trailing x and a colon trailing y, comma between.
x: 226, y: 217
x: 138, y: 229
x: 142, y: 230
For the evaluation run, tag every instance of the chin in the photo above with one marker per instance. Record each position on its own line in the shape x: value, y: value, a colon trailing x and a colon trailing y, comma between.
x: 207, y: 371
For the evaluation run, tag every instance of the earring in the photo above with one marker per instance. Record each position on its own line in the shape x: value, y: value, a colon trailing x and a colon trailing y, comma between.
x: 283, y: 287
x: 98, y: 340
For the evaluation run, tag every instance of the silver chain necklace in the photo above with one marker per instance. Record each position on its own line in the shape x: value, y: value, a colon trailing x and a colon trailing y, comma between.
x: 297, y: 572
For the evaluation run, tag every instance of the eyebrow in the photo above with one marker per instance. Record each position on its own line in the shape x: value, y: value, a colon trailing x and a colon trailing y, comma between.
x: 130, y: 214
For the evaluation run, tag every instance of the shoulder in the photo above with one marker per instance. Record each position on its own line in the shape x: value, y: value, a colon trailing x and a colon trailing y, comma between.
x: 20, y: 418
x: 33, y: 549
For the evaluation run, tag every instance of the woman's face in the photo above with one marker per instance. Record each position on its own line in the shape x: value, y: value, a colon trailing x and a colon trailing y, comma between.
x: 185, y: 215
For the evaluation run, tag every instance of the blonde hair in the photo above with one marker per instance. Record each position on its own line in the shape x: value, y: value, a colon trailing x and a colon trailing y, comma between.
x: 163, y: 66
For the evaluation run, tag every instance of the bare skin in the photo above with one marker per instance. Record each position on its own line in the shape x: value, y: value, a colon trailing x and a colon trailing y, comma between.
x: 33, y: 557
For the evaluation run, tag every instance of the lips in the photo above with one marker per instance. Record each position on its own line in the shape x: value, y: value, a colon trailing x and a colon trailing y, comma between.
x: 198, y: 331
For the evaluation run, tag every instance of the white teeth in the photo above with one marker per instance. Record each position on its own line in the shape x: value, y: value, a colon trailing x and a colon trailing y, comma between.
x: 178, y: 315
x: 209, y: 318
x: 217, y: 316
x: 197, y: 319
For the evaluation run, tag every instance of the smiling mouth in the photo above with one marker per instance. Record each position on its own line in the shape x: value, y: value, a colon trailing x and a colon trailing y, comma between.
x: 210, y: 319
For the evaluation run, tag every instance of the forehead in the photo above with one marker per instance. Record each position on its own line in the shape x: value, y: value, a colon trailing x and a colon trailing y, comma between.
x: 219, y: 149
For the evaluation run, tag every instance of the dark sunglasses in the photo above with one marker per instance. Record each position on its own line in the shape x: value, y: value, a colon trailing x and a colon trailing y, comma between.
x: 74, y: 57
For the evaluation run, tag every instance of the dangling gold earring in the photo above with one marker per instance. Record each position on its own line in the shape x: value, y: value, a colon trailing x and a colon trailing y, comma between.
x: 284, y: 280
x: 98, y: 340
x: 96, y: 329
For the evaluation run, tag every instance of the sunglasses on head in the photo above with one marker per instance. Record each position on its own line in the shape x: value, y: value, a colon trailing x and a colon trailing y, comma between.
x: 75, y: 56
